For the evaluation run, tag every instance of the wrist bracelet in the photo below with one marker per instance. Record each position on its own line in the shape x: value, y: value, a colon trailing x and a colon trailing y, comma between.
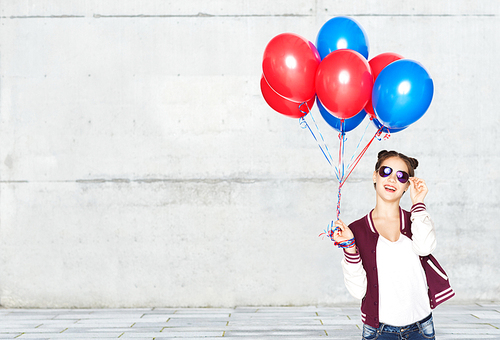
x: 345, y: 244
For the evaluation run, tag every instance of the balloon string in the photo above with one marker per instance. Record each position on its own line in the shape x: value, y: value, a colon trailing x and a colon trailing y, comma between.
x: 341, y: 169
x: 353, y: 165
x: 324, y: 149
x: 338, y: 201
x: 317, y: 128
x: 342, y: 140
x: 361, y: 154
x: 359, y: 143
x: 303, y: 124
x: 386, y: 136
x: 342, y: 177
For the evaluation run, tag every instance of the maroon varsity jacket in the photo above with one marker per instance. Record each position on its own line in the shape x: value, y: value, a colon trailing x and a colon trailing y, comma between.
x: 439, y: 289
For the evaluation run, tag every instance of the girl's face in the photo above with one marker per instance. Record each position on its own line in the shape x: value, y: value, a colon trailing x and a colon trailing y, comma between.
x: 390, y: 187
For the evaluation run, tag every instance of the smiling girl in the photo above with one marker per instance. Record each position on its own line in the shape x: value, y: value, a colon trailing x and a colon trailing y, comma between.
x: 389, y: 265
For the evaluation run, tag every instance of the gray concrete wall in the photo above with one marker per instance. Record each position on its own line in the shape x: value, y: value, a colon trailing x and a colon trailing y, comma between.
x: 140, y: 165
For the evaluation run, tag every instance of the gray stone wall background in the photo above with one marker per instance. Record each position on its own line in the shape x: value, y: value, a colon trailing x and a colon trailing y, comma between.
x: 140, y: 165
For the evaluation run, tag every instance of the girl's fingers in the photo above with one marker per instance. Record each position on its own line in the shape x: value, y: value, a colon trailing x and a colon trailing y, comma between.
x: 338, y: 224
x: 417, y: 183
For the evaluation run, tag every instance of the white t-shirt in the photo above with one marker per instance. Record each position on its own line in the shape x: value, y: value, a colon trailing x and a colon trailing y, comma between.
x: 403, y: 298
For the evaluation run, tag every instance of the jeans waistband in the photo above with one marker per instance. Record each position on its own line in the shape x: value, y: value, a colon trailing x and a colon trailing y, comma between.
x: 396, y: 329
x: 427, y: 318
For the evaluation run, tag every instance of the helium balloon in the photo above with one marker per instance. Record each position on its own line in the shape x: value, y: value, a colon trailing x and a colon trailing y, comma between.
x: 377, y: 64
x: 402, y: 93
x: 334, y: 122
x: 289, y: 65
x: 344, y: 83
x: 341, y: 33
x: 283, y: 105
x: 385, y: 129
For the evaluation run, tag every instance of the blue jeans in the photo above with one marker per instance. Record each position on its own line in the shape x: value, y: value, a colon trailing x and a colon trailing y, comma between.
x: 423, y: 329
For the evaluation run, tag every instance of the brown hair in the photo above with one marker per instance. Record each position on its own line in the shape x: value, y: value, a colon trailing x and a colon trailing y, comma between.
x: 411, y: 163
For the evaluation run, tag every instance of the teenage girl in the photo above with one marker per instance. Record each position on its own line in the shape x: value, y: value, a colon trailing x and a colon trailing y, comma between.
x: 388, y: 262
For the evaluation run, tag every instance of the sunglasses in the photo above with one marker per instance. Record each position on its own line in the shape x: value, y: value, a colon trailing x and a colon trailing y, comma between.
x: 385, y: 171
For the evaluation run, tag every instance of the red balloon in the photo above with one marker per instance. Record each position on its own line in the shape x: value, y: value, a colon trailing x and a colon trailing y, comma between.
x: 281, y: 104
x: 377, y: 64
x: 344, y: 83
x: 290, y: 63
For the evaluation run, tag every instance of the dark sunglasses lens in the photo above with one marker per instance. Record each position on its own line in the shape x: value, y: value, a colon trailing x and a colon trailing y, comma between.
x: 384, y: 171
x: 402, y: 176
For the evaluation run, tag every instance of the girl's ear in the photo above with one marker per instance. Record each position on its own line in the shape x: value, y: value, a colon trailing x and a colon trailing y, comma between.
x: 374, y: 177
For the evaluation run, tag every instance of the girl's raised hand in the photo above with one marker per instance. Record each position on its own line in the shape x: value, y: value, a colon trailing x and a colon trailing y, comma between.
x: 418, y: 190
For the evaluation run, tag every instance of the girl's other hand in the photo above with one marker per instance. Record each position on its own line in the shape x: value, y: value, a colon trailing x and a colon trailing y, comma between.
x: 343, y: 233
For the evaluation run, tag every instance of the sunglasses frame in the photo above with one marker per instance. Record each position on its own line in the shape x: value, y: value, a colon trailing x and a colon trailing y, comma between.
x: 404, y: 175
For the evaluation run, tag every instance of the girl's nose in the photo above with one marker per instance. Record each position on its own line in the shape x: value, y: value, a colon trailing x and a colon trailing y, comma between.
x: 393, y: 176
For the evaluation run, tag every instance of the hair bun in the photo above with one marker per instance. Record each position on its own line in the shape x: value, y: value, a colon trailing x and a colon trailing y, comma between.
x: 413, y: 162
x: 381, y: 153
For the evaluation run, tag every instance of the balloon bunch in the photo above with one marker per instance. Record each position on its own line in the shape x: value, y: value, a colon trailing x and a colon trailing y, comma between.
x: 394, y: 92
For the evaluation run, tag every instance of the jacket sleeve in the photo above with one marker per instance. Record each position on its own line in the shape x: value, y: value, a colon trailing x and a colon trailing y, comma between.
x: 354, y: 275
x: 422, y: 229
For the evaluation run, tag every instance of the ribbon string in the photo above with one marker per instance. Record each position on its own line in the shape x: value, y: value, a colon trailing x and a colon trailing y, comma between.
x: 342, y: 171
x: 345, y: 173
x: 330, y: 232
x: 322, y: 145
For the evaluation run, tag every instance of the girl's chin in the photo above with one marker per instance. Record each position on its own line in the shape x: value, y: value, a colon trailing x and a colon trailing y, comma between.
x: 390, y: 195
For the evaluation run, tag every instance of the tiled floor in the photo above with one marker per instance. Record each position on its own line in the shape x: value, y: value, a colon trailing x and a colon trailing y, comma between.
x: 451, y: 321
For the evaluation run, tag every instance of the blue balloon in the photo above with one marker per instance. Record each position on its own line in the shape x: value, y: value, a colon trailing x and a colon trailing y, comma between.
x: 402, y: 93
x: 341, y: 33
x: 334, y: 122
x: 385, y: 129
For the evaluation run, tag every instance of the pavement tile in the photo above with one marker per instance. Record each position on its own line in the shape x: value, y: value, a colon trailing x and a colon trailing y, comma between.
x: 302, y: 334
x: 34, y: 330
x: 72, y: 336
x: 276, y: 322
x: 184, y: 316
x: 5, y: 324
x: 179, y: 334
x: 197, y: 323
x: 107, y: 330
x: 141, y: 325
x: 465, y: 336
x: 486, y: 315
x: 476, y: 321
x: 9, y: 335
